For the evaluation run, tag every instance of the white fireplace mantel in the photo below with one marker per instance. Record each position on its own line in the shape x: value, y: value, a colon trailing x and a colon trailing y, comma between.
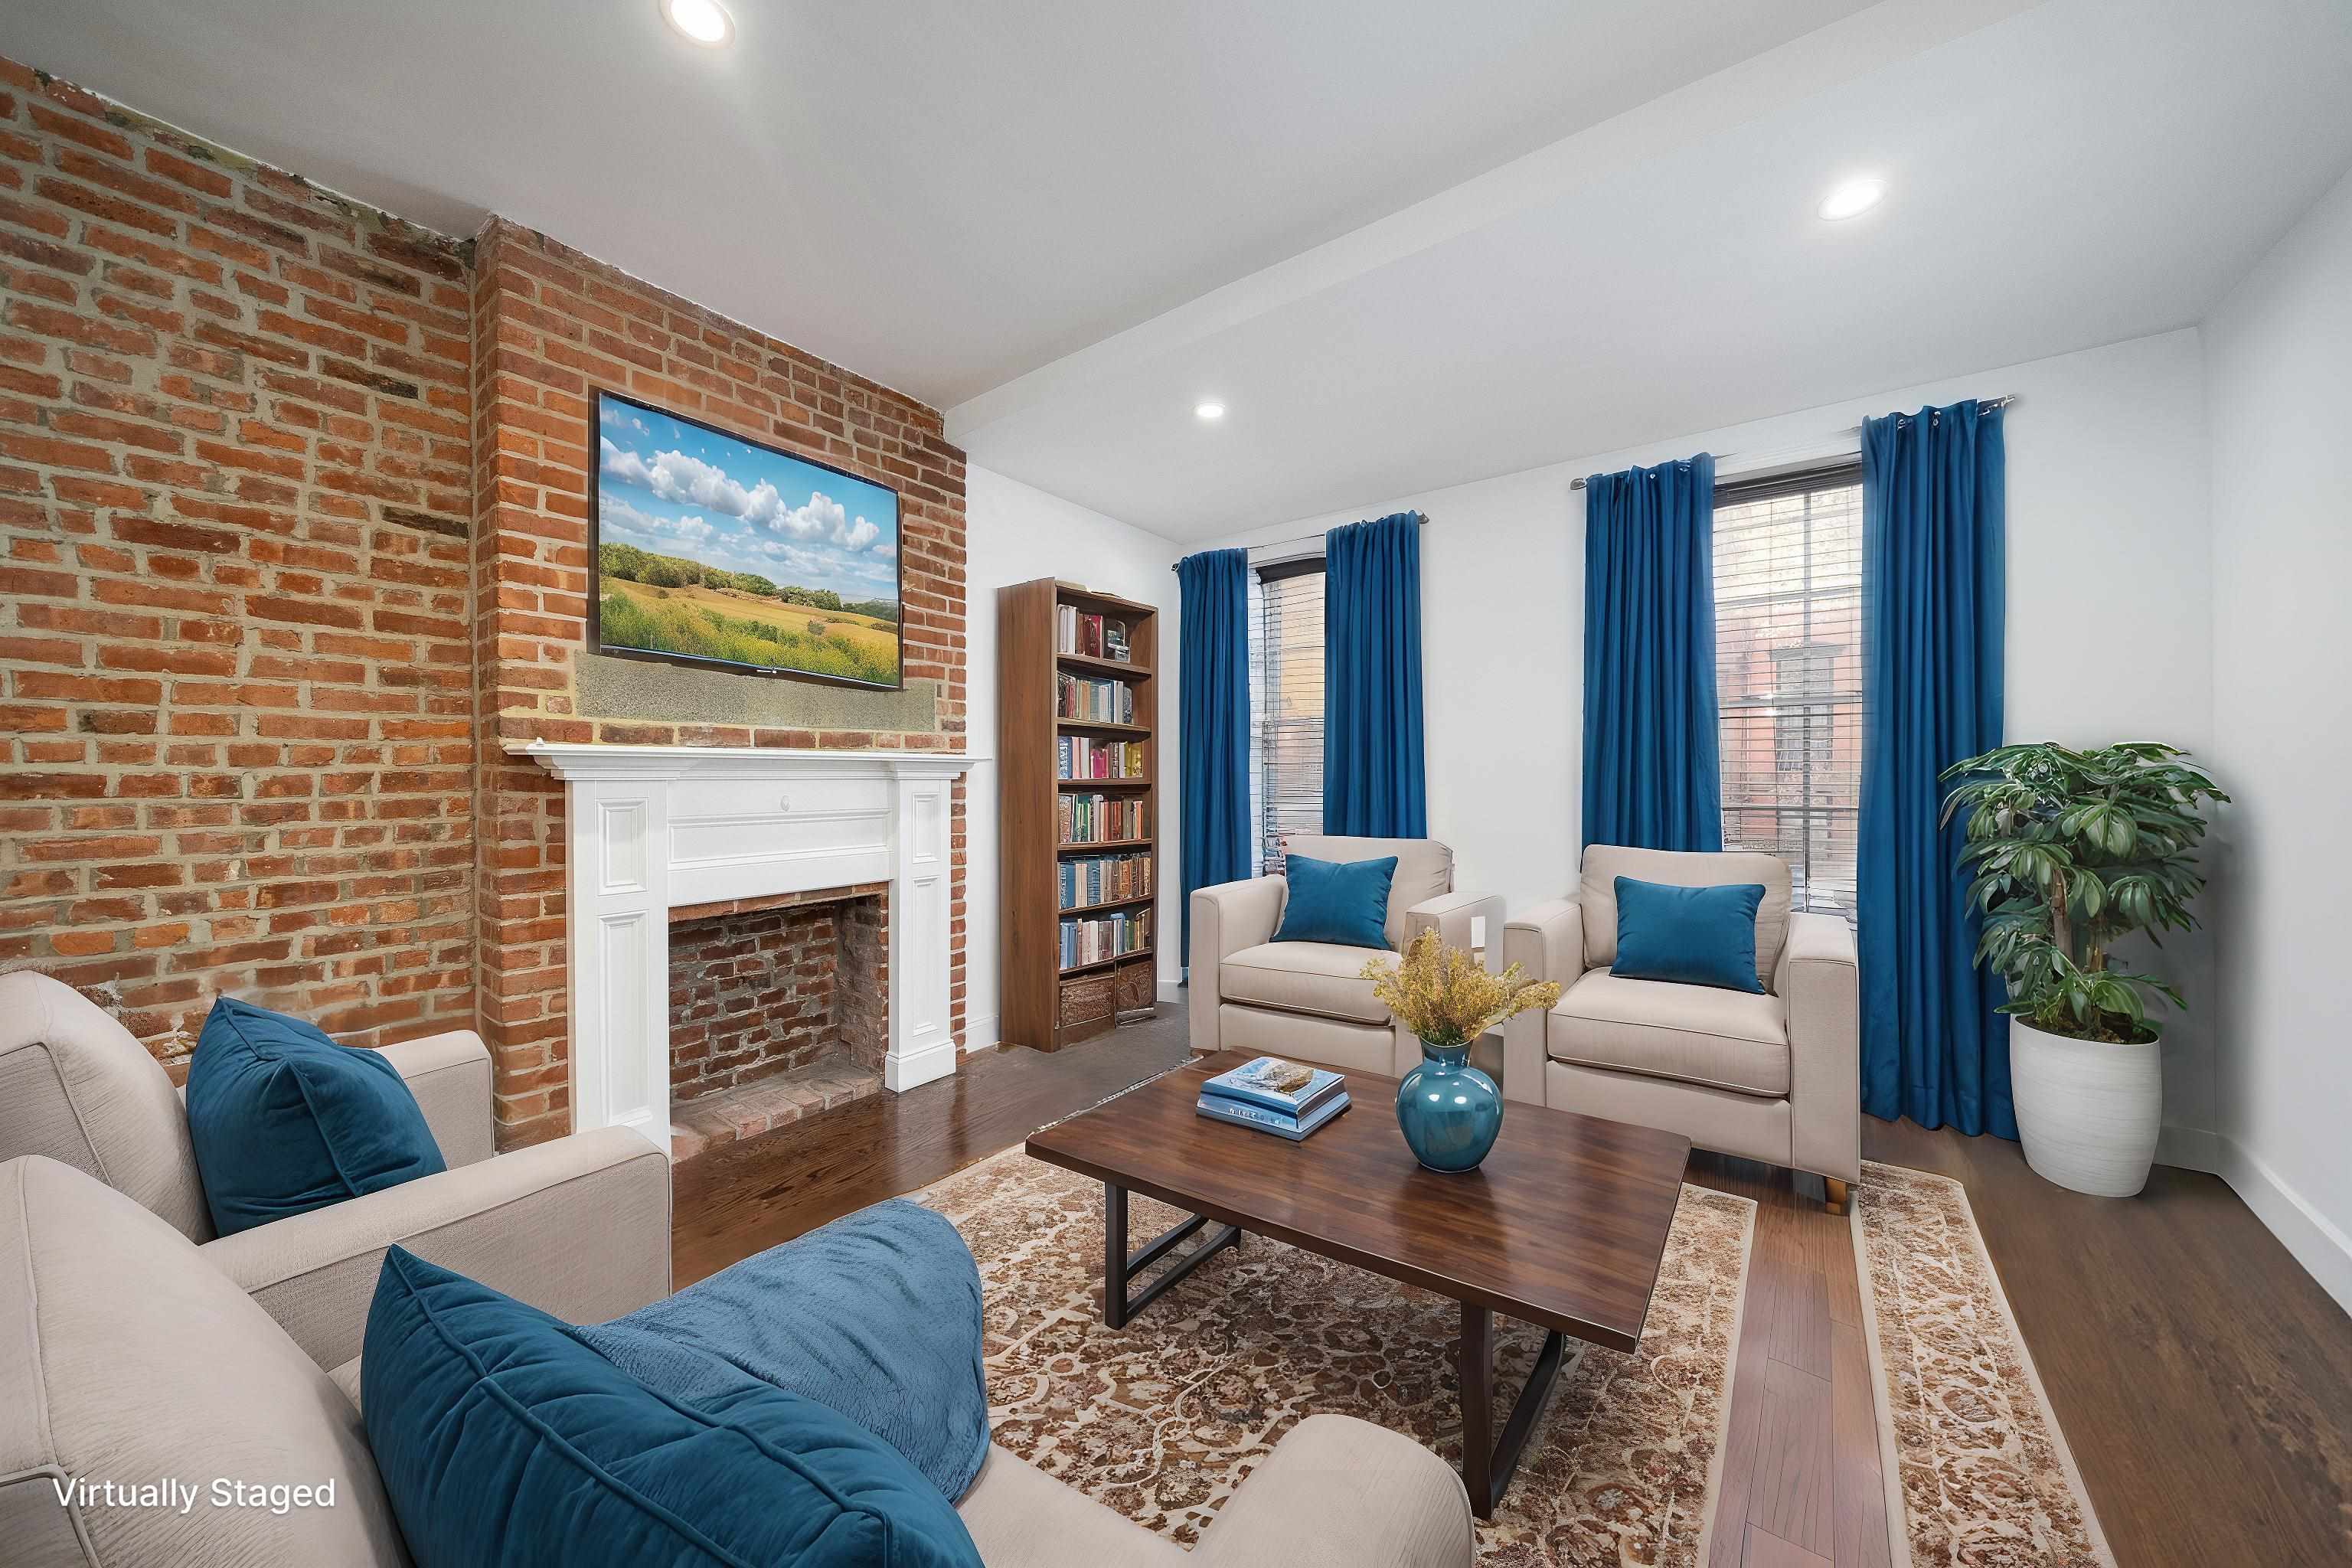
x: 656, y: 827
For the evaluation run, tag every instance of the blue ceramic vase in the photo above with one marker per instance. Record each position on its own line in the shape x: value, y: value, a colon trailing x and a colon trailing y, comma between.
x: 1449, y: 1110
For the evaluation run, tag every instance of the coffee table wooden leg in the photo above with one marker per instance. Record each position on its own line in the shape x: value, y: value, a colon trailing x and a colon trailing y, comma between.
x: 1488, y: 1461
x: 1114, y: 1255
x: 1476, y: 1361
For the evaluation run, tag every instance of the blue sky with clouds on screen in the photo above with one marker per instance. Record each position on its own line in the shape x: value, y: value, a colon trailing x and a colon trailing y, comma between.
x: 678, y: 489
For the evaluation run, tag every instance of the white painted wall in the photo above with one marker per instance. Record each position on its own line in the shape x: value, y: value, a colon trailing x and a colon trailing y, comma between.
x: 2278, y: 359
x: 2110, y: 634
x: 1013, y: 534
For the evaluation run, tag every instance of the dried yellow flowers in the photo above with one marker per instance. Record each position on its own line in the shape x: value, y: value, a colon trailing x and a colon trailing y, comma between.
x: 1442, y: 993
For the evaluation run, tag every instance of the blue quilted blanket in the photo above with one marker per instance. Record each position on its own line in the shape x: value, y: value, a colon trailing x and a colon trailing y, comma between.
x: 877, y: 1315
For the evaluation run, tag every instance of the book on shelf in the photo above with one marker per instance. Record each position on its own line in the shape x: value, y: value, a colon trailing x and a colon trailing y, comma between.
x: 1287, y: 1088
x: 1085, y: 757
x: 1100, y: 879
x: 1098, y: 699
x: 1089, y: 634
x: 1259, y: 1118
x: 1099, y: 818
x: 1100, y: 937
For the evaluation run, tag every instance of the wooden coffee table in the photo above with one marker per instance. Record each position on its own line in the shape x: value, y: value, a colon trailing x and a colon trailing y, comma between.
x: 1563, y: 1226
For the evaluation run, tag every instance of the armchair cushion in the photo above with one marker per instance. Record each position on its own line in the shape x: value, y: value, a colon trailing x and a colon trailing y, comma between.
x: 1693, y: 1033
x: 1604, y: 863
x: 1690, y: 936
x: 76, y: 1086
x: 505, y: 1441
x: 284, y: 1121
x: 124, y: 1356
x: 1334, y: 902
x: 1321, y: 978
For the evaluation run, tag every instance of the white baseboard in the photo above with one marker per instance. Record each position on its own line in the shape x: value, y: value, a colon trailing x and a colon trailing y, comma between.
x: 1171, y: 991
x: 2315, y: 1241
x: 912, y: 1070
x: 982, y: 1033
x: 2190, y: 1148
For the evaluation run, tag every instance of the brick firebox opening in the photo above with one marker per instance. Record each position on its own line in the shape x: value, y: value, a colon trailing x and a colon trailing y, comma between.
x: 778, y: 1007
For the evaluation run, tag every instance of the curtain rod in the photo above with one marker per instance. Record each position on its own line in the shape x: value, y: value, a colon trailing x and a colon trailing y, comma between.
x: 2002, y: 402
x: 1420, y: 520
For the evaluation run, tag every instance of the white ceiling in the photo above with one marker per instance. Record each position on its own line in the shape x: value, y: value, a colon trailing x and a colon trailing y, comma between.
x: 937, y: 194
x: 1425, y: 246
x: 2079, y: 173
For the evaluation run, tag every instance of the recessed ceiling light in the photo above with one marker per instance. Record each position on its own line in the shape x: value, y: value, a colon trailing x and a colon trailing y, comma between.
x: 1852, y: 198
x: 1211, y: 409
x: 704, y: 21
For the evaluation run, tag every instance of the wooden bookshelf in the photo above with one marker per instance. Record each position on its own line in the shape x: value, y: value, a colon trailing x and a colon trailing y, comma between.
x: 1043, y: 1001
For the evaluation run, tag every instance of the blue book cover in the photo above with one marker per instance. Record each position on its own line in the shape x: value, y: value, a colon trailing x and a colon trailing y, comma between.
x: 1257, y: 1118
x: 1278, y: 1085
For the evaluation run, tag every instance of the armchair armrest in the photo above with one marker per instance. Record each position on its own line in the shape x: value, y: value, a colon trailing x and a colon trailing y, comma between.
x: 1341, y: 1493
x: 1548, y: 944
x: 1452, y: 915
x: 1819, y: 981
x: 450, y: 1075
x: 578, y: 1227
x: 1226, y: 918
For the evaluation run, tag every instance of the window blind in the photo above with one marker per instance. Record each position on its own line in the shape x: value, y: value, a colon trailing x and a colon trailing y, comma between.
x: 1286, y: 705
x: 1788, y: 661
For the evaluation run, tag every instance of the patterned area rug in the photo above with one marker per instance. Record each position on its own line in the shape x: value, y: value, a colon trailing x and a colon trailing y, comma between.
x: 1978, y: 1472
x: 1160, y: 1420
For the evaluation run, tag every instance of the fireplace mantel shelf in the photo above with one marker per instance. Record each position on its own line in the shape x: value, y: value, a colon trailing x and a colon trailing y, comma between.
x: 653, y: 827
x: 570, y: 759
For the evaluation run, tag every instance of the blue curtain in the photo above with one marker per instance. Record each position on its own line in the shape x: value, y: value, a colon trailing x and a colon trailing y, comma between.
x: 1933, y: 1046
x: 1372, y: 781
x: 1651, y: 777
x: 1213, y: 728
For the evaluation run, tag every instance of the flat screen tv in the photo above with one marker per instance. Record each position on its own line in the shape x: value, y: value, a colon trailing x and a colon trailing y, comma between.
x: 710, y: 550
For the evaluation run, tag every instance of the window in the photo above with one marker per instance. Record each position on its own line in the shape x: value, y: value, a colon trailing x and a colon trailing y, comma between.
x: 1788, y: 672
x: 1285, y: 655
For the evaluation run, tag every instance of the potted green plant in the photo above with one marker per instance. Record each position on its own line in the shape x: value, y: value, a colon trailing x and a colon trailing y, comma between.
x: 2070, y: 851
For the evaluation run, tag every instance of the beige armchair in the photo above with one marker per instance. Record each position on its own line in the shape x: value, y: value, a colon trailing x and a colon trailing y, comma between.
x: 578, y: 1227
x: 1307, y: 1000
x: 1775, y: 1076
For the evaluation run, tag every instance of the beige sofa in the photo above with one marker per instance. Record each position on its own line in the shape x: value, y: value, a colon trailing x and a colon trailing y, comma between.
x: 578, y: 1227
x: 1307, y: 1000
x: 1775, y: 1076
x: 127, y: 1356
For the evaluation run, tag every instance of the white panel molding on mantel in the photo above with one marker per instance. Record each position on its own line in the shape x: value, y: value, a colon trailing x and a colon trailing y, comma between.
x: 651, y: 828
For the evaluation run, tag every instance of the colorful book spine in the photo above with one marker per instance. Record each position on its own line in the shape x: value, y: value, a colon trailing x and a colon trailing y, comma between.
x: 1111, y: 936
x: 1084, y: 633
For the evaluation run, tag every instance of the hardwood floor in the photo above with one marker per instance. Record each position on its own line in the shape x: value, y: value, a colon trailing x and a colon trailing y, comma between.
x: 742, y: 1198
x: 2203, y: 1380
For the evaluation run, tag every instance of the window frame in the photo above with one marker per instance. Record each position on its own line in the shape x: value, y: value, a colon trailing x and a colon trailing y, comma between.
x: 1843, y: 472
x: 1265, y: 856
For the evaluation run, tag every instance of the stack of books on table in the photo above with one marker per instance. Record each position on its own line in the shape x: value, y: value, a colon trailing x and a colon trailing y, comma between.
x: 1274, y: 1096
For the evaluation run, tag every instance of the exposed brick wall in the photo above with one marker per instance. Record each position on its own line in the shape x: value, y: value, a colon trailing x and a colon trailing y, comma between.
x: 773, y: 987
x: 551, y: 326
x: 235, y: 491
x: 293, y: 503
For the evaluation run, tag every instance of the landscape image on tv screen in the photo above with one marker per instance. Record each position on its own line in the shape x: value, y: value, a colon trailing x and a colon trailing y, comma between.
x: 717, y: 549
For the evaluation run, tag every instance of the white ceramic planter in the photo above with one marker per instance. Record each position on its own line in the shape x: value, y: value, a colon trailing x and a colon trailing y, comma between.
x: 2087, y: 1113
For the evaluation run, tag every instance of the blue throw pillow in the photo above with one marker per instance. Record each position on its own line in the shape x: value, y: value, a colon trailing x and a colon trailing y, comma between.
x: 284, y: 1121
x: 505, y: 1442
x: 1328, y: 902
x: 877, y: 1315
x: 1692, y: 936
